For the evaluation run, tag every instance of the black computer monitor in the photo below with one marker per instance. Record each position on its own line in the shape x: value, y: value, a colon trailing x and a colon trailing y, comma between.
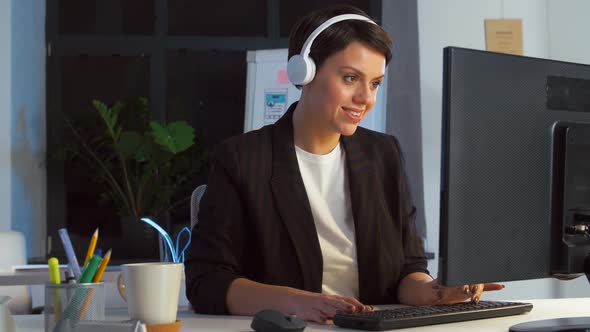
x: 515, y: 172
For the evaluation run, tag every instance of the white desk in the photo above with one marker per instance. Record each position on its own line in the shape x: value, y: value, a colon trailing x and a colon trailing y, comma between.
x: 542, y: 309
x: 41, y: 276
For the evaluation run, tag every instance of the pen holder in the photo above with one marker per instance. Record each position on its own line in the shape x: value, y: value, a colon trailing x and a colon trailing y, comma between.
x: 66, y: 304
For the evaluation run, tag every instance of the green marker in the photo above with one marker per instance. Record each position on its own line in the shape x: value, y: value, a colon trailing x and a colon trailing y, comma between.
x: 90, y: 270
x: 79, y: 294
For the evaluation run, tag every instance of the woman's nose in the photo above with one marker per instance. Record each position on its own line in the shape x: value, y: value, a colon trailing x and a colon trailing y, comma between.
x: 363, y: 94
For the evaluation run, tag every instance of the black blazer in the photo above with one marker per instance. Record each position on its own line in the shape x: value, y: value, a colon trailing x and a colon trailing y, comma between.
x: 255, y: 219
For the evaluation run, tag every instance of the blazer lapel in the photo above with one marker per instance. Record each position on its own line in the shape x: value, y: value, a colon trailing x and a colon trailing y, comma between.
x: 361, y: 178
x: 293, y: 204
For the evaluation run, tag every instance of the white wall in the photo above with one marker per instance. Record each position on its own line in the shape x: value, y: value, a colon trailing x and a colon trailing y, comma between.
x: 5, y: 114
x: 461, y: 23
x: 569, y: 30
x: 27, y: 125
x: 22, y: 121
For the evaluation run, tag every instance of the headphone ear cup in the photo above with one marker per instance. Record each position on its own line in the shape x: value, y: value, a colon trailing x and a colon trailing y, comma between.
x: 300, y: 70
x: 310, y: 70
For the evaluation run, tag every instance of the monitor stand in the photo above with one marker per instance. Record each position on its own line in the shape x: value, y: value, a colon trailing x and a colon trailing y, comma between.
x: 571, y: 324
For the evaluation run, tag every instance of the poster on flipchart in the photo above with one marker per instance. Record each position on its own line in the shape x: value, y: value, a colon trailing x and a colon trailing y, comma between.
x: 275, y: 105
x: 268, y: 90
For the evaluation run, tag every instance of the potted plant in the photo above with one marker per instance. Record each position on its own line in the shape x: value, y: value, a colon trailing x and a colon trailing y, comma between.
x: 143, y: 163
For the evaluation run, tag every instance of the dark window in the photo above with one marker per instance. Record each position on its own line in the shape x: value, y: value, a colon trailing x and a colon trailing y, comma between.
x: 207, y: 88
x: 107, y: 78
x: 106, y: 17
x: 218, y: 18
x: 290, y: 11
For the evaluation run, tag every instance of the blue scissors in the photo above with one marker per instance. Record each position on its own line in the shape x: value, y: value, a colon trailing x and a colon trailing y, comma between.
x: 177, y: 255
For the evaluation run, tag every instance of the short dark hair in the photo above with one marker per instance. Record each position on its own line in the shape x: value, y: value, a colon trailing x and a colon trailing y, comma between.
x: 337, y: 37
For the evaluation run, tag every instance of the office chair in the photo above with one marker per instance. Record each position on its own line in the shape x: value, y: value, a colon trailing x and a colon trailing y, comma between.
x: 12, y: 247
x: 195, y: 201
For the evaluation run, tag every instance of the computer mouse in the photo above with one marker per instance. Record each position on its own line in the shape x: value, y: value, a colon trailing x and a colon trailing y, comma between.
x: 275, y: 321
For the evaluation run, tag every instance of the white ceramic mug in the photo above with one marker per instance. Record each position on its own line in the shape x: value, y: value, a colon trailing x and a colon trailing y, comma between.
x: 151, y: 291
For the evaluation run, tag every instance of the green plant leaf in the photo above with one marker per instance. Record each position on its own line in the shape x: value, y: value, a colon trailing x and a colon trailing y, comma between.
x: 145, y: 151
x: 174, y: 137
x: 129, y: 142
x: 109, y: 116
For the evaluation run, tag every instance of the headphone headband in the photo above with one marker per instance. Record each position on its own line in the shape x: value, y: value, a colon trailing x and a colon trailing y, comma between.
x: 344, y: 17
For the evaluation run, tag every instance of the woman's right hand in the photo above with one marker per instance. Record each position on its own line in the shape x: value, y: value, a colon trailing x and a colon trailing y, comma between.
x: 247, y: 297
x: 321, y: 308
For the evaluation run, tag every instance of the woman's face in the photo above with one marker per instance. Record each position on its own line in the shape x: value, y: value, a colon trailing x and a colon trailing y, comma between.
x: 345, y: 88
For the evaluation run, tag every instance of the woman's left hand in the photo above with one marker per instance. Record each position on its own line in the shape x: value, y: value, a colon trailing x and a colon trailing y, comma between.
x: 457, y: 294
x: 419, y: 288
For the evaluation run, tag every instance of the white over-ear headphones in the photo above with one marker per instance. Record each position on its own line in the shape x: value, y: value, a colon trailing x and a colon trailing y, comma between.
x: 301, y: 68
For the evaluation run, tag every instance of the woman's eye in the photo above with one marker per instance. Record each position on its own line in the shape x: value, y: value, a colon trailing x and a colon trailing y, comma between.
x: 350, y: 78
x: 376, y: 84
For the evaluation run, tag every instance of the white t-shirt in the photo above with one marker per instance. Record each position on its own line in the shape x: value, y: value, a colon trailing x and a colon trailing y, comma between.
x: 326, y: 184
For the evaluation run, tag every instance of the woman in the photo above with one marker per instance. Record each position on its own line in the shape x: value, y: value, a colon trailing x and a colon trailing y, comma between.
x: 312, y: 215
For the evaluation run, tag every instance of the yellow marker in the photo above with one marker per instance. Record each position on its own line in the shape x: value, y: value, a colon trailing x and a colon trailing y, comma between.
x: 54, y: 278
x: 91, y: 247
x: 103, y: 265
x: 53, y: 264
